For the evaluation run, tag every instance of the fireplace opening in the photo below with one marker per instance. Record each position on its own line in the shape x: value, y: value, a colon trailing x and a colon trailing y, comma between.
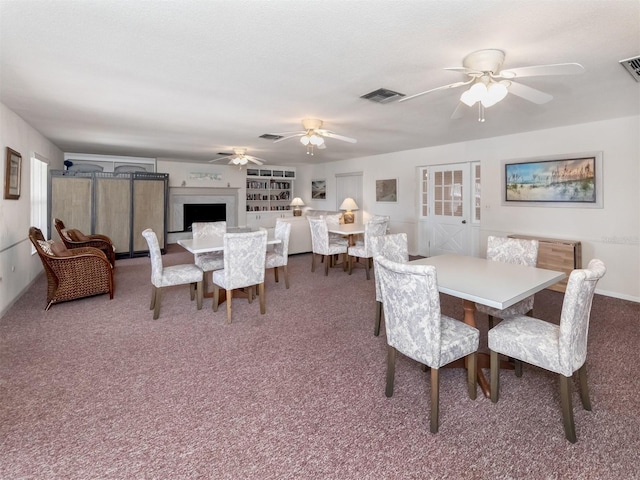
x: 203, y: 212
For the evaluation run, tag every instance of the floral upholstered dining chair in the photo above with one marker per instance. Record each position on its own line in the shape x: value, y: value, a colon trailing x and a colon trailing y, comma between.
x: 373, y: 228
x: 416, y: 328
x: 208, y: 261
x: 393, y: 247
x: 244, y: 265
x: 321, y: 245
x: 279, y: 256
x: 511, y: 250
x: 561, y: 349
x: 169, y: 276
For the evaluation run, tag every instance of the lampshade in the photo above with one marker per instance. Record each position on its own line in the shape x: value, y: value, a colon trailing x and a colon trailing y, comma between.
x: 349, y: 204
x: 297, y: 202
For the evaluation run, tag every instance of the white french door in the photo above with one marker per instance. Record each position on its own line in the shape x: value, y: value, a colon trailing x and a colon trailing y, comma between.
x: 445, y: 219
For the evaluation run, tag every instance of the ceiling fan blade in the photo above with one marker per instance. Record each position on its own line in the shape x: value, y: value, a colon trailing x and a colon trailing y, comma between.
x: 468, y: 71
x: 256, y: 160
x: 218, y: 159
x: 540, y: 70
x: 330, y: 134
x: 528, y: 93
x: 444, y: 87
x: 297, y: 134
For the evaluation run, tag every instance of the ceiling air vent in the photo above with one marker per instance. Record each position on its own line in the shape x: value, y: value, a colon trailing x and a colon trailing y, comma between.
x: 270, y: 136
x: 633, y: 65
x: 382, y: 95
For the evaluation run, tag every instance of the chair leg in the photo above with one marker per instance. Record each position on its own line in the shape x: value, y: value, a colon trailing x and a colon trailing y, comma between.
x: 250, y: 293
x: 344, y: 261
x: 490, y: 321
x: 192, y: 291
x: 263, y: 303
x: 156, y: 309
x: 391, y: 370
x: 199, y: 289
x: 153, y: 297
x: 584, y: 388
x: 216, y: 297
x: 350, y: 264
x: 567, y: 408
x: 435, y: 399
x: 275, y: 274
x: 366, y: 266
x: 286, y: 276
x: 495, y: 375
x: 472, y: 377
x: 376, y: 327
x: 229, y: 295
x: 313, y: 262
x: 517, y: 364
x: 327, y: 261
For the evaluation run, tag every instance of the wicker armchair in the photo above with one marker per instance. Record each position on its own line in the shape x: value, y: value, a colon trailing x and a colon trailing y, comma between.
x: 73, y: 238
x: 74, y: 273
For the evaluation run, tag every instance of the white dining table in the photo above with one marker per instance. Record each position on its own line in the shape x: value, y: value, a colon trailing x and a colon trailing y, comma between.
x: 487, y: 282
x: 214, y: 243
x: 349, y: 230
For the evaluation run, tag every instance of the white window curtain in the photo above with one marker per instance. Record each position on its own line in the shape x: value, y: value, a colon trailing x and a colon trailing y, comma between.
x: 39, y: 180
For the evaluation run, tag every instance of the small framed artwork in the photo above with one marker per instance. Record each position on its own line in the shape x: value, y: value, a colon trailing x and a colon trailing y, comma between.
x: 387, y: 190
x: 563, y: 181
x: 319, y: 189
x: 12, y: 175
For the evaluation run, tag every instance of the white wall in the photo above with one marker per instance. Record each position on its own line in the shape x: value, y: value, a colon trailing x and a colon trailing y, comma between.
x: 18, y: 268
x: 611, y: 233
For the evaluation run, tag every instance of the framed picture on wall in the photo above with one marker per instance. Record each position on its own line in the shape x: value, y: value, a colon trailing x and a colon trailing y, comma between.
x: 387, y: 190
x: 319, y: 189
x: 12, y: 175
x: 565, y: 181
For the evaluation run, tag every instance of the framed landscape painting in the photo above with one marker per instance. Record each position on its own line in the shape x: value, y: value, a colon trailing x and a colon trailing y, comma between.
x: 387, y: 190
x: 319, y: 189
x: 555, y: 182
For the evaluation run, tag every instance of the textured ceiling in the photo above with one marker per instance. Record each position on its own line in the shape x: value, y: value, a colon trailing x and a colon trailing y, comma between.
x: 187, y: 79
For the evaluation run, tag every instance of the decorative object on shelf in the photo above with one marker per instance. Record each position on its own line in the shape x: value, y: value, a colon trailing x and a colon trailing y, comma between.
x: 387, y: 190
x: 349, y: 204
x: 319, y: 189
x: 12, y: 175
x: 564, y: 181
x: 205, y: 176
x: 67, y: 164
x: 297, y: 203
x: 312, y: 135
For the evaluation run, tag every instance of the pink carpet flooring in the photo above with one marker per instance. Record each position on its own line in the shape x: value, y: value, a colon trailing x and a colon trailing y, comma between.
x: 96, y: 389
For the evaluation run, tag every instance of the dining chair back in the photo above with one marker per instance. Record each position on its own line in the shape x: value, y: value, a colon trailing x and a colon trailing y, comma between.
x: 561, y: 349
x: 244, y: 265
x: 320, y: 244
x: 416, y: 328
x: 393, y: 247
x: 162, y: 276
x: 279, y: 256
x: 373, y: 228
x: 517, y: 251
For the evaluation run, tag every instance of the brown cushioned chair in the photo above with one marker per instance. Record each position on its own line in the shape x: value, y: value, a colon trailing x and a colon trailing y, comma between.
x: 74, y: 238
x: 72, y: 273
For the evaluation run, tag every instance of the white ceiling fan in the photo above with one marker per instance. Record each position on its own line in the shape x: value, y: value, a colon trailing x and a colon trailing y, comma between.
x: 490, y: 84
x: 239, y: 157
x: 313, y: 135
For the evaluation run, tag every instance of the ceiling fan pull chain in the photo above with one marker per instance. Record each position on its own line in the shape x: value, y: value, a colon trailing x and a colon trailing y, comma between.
x: 480, y: 112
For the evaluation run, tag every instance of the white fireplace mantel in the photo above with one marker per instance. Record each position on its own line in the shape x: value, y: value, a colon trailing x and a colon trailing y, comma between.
x: 179, y: 196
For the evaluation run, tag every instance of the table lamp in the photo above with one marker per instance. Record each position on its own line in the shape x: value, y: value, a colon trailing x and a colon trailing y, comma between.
x: 348, y: 204
x: 296, y: 203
